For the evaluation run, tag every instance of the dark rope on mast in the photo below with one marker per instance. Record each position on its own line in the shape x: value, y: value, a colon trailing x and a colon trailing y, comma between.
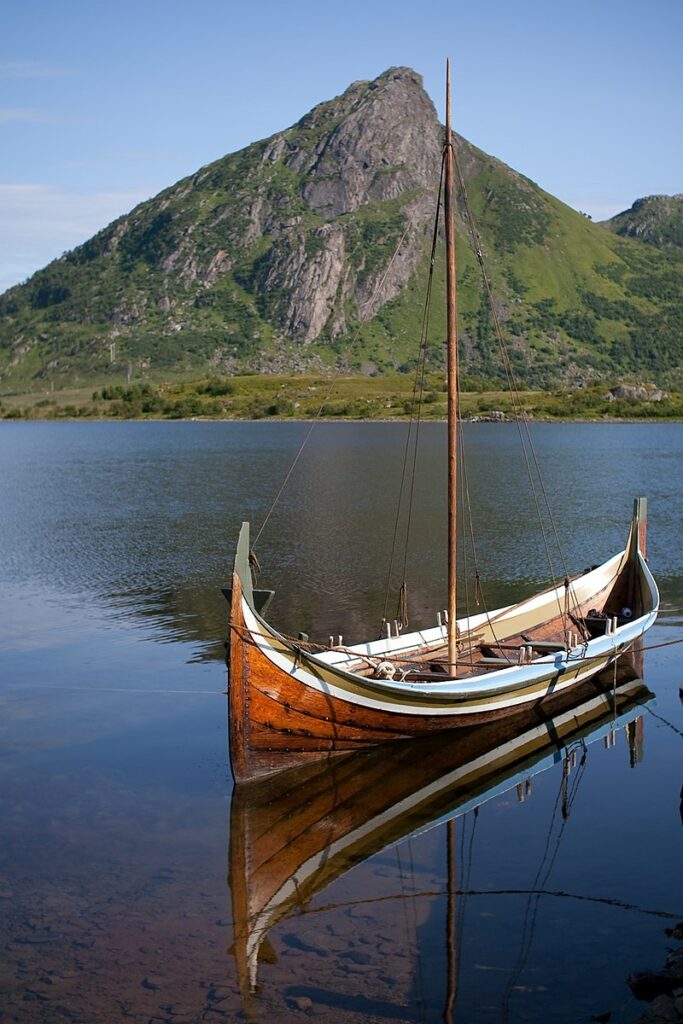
x: 528, y: 449
x: 467, y: 517
x: 418, y: 388
x: 463, y: 513
x: 418, y: 421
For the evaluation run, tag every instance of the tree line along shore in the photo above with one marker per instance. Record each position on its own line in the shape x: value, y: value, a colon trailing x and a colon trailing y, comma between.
x: 256, y: 397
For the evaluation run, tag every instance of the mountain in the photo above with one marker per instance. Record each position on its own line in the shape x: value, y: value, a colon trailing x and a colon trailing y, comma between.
x: 657, y: 220
x: 310, y: 249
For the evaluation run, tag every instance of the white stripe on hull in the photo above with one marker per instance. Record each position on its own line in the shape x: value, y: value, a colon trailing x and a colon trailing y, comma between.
x: 508, y: 688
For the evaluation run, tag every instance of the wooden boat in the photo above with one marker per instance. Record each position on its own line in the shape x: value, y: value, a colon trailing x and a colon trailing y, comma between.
x: 291, y: 701
x: 295, y: 832
x: 288, y: 704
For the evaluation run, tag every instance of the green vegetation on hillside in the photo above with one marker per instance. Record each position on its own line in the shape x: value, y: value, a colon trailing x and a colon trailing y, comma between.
x: 225, y: 273
x: 356, y: 398
x: 657, y: 220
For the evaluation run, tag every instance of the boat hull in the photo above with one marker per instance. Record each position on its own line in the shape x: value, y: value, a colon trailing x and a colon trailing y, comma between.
x: 289, y: 706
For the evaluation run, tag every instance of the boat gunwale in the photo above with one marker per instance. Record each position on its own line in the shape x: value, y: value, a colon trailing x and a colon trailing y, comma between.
x: 299, y: 662
x: 472, y: 687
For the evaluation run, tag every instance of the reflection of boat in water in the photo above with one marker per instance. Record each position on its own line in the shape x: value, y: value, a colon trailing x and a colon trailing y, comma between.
x: 294, y: 833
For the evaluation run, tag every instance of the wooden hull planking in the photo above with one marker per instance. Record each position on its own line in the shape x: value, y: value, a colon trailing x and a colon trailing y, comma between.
x: 287, y: 705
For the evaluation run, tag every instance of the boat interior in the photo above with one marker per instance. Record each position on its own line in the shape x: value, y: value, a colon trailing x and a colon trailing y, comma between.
x: 492, y: 646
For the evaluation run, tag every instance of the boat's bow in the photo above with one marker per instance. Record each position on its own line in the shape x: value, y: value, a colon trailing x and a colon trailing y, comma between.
x: 241, y: 596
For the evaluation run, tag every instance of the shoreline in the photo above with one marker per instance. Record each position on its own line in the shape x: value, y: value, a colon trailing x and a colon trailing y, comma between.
x: 341, y: 419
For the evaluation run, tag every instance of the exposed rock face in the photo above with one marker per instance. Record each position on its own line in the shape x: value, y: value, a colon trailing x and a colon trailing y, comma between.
x: 311, y: 282
x: 379, y: 141
x: 636, y: 393
x: 657, y: 220
x: 388, y: 144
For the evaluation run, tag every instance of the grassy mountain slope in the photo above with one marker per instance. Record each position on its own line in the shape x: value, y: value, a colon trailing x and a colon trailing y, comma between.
x: 657, y: 220
x: 279, y: 259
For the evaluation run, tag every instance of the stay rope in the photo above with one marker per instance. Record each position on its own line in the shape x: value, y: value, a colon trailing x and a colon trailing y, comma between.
x: 530, y: 458
x: 416, y: 403
x: 327, y: 397
x: 564, y: 800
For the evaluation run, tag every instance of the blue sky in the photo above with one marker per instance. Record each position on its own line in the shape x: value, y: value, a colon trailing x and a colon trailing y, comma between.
x: 103, y: 105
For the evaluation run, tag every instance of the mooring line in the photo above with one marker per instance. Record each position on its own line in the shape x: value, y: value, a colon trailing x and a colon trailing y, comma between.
x: 559, y: 893
x: 108, y: 689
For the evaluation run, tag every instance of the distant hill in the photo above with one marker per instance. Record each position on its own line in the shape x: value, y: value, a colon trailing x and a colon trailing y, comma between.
x: 278, y: 258
x: 657, y: 220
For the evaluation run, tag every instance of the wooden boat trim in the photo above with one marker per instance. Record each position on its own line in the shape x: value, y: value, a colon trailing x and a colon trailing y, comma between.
x: 328, y: 676
x: 286, y: 700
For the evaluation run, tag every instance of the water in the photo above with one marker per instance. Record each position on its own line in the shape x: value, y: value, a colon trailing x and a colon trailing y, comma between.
x: 115, y: 790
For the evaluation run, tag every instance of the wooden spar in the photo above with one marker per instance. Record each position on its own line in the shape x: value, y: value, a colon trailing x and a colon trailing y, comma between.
x: 452, y: 361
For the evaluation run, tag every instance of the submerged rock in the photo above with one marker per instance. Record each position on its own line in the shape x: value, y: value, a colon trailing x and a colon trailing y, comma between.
x: 664, y: 988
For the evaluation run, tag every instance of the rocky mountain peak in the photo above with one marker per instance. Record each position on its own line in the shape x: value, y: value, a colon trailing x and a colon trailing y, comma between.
x: 377, y: 140
x: 656, y: 220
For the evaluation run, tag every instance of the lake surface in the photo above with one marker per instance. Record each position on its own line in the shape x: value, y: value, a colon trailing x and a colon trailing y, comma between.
x: 121, y: 886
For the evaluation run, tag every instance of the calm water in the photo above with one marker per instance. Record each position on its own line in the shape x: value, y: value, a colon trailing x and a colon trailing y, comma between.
x: 115, y: 791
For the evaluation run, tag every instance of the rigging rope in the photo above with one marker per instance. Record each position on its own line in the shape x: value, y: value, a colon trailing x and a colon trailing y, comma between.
x: 520, y: 416
x: 664, y: 721
x: 466, y: 861
x: 325, y: 400
x: 543, y: 873
x: 418, y: 385
x: 608, y: 901
x: 408, y: 900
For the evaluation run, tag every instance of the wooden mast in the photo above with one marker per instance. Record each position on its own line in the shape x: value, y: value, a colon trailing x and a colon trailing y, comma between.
x: 452, y: 323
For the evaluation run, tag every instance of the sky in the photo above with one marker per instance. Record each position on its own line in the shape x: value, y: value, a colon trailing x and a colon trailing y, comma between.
x: 103, y: 105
